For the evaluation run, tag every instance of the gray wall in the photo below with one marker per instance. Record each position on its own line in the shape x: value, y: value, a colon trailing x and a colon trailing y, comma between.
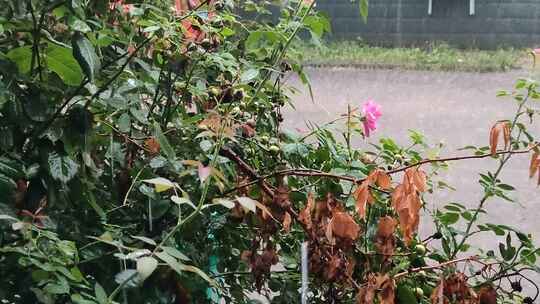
x: 497, y: 23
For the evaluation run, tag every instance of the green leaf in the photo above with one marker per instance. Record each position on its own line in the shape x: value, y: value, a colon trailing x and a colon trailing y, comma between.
x: 144, y: 239
x: 79, y: 25
x: 60, y: 60
x: 163, y: 142
x: 249, y: 75
x: 78, y: 299
x: 127, y: 277
x: 449, y: 218
x: 22, y: 56
x: 62, y: 168
x: 124, y: 123
x: 101, y: 295
x: 405, y: 295
x: 57, y: 288
x: 175, y: 253
x: 146, y: 266
x: 181, y: 268
x: 86, y: 56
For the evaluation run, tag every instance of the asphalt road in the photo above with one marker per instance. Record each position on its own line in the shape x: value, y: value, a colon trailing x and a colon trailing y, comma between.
x: 455, y: 108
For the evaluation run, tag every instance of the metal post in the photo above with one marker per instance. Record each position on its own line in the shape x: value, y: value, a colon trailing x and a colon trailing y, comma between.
x: 472, y: 7
x: 430, y: 7
x: 305, y: 282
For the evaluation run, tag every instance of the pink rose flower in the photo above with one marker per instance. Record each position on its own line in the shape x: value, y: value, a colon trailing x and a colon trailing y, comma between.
x: 371, y: 112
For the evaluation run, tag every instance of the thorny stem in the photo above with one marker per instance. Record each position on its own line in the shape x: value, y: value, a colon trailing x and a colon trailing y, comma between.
x: 487, y: 195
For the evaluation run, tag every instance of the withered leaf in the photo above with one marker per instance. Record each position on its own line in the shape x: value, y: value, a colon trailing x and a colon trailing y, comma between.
x: 437, y: 296
x: 282, y: 197
x: 386, y: 226
x: 487, y: 295
x: 361, y: 196
x: 384, y: 239
x: 152, y: 145
x: 344, y: 226
x: 287, y: 220
x: 398, y: 196
x: 419, y: 179
x: 332, y: 268
x: 535, y: 163
x: 383, y: 180
x: 494, y: 134
x: 494, y: 138
x: 387, y: 288
x: 366, y: 294
x: 247, y: 130
x: 506, y: 134
x: 456, y: 287
x: 305, y: 215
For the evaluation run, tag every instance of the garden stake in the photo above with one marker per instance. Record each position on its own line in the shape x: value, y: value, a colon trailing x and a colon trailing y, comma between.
x: 304, y: 289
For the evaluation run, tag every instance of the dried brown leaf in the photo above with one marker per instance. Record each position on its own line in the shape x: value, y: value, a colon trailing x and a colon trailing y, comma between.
x: 487, y: 295
x: 535, y: 163
x: 437, y: 296
x: 287, y: 220
x: 361, y: 196
x: 344, y: 226
x: 384, y: 239
x: 366, y: 294
x: 305, y: 214
x: 397, y: 196
x: 387, y: 288
x: 386, y: 227
x: 152, y: 145
x: 332, y: 268
x: 506, y: 133
x: 495, y: 133
x: 383, y: 180
x: 420, y: 180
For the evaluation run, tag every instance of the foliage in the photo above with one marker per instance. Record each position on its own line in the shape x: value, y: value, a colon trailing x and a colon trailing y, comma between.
x: 432, y: 57
x: 143, y: 160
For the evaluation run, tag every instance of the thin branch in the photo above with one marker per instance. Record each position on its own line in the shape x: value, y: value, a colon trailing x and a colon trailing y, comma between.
x: 438, y: 266
x: 317, y: 173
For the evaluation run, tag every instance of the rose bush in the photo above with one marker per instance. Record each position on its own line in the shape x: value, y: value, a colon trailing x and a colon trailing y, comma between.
x: 143, y: 159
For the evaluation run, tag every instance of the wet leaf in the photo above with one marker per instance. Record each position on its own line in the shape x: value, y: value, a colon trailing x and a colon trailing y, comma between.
x: 85, y: 54
x: 62, y: 168
x: 146, y: 266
